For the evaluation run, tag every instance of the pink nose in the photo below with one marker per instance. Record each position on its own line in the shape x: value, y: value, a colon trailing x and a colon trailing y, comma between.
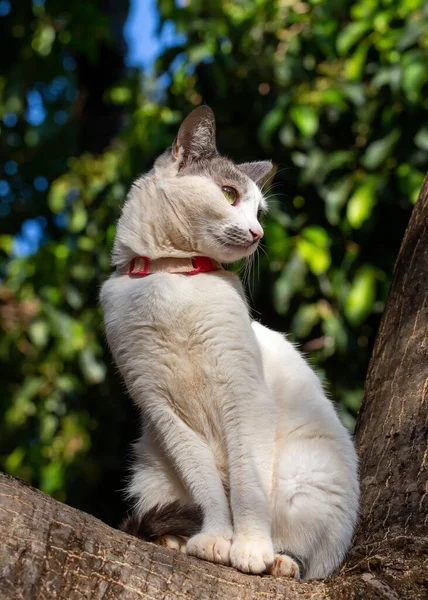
x: 257, y: 234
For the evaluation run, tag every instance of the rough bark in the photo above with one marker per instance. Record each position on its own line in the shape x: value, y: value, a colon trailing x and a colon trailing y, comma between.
x: 54, y: 551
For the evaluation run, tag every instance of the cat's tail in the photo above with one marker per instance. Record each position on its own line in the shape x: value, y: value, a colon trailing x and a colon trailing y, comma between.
x: 171, y: 519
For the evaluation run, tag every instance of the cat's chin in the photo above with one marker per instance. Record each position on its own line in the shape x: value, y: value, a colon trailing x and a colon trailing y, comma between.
x: 230, y: 253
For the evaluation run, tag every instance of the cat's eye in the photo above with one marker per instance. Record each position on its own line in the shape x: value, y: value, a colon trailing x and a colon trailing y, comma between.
x: 230, y: 194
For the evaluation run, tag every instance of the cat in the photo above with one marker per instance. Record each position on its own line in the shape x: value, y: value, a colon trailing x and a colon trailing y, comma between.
x: 242, y: 460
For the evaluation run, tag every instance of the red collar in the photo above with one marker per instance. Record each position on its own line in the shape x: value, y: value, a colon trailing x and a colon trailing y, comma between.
x: 141, y: 266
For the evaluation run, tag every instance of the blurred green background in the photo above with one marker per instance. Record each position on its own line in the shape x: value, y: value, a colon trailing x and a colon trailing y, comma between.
x: 334, y: 91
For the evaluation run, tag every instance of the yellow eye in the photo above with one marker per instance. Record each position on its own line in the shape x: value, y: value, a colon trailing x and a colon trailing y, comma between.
x: 230, y: 194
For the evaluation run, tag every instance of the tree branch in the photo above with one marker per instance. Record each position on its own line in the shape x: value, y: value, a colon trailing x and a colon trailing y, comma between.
x: 55, y: 551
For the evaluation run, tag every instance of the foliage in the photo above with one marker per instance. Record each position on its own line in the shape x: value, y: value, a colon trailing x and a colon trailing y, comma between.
x: 334, y: 92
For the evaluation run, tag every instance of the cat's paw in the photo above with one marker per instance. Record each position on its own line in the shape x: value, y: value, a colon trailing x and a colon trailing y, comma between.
x: 175, y: 542
x: 284, y: 566
x: 214, y: 548
x: 251, y: 554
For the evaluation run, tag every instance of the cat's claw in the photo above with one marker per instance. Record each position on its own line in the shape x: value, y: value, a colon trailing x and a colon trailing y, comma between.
x: 251, y: 554
x: 214, y: 548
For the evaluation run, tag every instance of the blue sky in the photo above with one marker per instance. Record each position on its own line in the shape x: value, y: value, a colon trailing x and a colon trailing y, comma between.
x: 140, y: 33
x: 144, y: 44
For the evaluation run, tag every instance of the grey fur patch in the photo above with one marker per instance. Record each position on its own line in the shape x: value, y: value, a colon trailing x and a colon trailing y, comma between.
x: 221, y: 170
x: 173, y: 519
x: 259, y: 172
x: 196, y: 136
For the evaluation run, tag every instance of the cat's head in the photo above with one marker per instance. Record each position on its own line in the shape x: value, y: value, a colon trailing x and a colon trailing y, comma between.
x: 194, y: 201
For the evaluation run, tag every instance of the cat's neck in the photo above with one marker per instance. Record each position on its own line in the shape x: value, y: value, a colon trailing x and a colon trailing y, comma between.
x: 142, y: 266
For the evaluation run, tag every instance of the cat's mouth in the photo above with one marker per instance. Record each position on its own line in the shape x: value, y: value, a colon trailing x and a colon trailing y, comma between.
x: 240, y: 246
x: 232, y: 247
x: 235, y: 244
x: 230, y: 252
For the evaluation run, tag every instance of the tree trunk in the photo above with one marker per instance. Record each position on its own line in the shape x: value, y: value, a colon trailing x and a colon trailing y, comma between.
x: 54, y: 551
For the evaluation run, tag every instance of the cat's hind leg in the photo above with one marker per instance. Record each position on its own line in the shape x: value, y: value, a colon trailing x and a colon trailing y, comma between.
x: 162, y: 511
x: 315, y: 507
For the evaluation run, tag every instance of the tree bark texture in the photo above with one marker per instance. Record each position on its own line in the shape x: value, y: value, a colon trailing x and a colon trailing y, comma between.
x: 53, y: 551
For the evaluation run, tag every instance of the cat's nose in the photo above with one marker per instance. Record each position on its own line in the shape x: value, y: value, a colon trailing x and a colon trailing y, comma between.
x: 257, y: 234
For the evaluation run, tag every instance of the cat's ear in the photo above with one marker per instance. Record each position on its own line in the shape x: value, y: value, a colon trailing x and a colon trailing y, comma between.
x: 260, y: 172
x: 196, y: 137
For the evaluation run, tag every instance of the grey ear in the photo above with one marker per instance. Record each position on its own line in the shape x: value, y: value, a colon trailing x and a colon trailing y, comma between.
x: 196, y: 136
x: 260, y: 172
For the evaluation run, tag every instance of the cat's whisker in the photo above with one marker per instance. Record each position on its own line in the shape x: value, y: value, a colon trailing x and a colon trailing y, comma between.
x: 250, y: 276
x: 276, y: 195
x: 283, y: 169
x: 258, y: 264
x: 263, y: 250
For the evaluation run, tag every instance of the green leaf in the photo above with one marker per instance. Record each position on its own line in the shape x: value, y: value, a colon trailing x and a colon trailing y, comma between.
x: 14, y: 460
x: 412, y: 32
x: 353, y: 398
x: 93, y: 370
x: 57, y: 194
x: 52, y: 477
x: 269, y: 125
x: 201, y: 51
x: 335, y: 197
x: 350, y: 35
x: 361, y: 297
x: 379, y: 150
x: 291, y: 280
x: 334, y: 329
x: 415, y: 75
x: 276, y: 239
x: 361, y: 203
x: 410, y: 181
x: 355, y: 65
x: 312, y: 246
x: 78, y: 218
x: 421, y: 138
x: 305, y: 320
x: 120, y: 94
x: 39, y: 333
x: 306, y: 119
x: 6, y: 243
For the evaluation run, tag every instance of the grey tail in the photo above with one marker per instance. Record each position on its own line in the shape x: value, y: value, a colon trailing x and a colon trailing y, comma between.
x: 172, y: 519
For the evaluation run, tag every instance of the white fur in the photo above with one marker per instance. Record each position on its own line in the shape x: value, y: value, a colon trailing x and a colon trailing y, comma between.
x: 235, y: 419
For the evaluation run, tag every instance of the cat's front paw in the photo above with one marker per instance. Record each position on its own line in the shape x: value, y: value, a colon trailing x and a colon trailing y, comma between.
x: 251, y: 554
x: 214, y: 548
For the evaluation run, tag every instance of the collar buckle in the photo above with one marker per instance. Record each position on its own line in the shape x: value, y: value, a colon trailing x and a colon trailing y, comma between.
x: 202, y: 264
x: 139, y: 266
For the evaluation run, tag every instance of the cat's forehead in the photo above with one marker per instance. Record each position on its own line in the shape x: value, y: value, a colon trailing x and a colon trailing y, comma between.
x: 222, y: 170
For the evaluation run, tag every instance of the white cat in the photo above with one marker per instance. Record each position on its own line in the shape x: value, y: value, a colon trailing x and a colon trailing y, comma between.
x: 241, y: 450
